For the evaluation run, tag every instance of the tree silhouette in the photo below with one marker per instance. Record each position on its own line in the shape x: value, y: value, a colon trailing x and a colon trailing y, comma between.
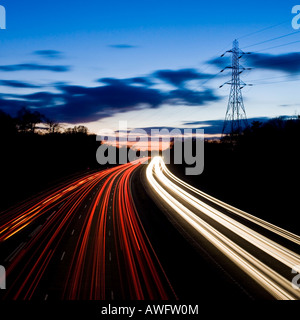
x: 80, y: 129
x: 7, y: 125
x: 77, y: 130
x: 28, y: 120
x: 256, y: 125
x: 53, y: 127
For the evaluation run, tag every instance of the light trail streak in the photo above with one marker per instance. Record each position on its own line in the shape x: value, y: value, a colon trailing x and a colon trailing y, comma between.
x: 269, y: 226
x: 45, y: 224
x: 31, y: 210
x: 190, y: 209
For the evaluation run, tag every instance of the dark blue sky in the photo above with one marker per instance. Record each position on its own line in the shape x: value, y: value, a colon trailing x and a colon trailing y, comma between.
x: 53, y: 54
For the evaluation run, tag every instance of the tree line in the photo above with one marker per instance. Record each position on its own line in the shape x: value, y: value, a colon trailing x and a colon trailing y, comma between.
x: 257, y: 172
x: 37, y: 153
x: 27, y: 121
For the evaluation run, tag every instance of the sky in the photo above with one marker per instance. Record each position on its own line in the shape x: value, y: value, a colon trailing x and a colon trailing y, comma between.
x: 148, y: 62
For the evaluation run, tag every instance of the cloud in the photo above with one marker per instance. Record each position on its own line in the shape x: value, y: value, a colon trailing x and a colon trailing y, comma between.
x: 216, y: 126
x: 122, y: 46
x: 192, y: 98
x: 209, y: 126
x: 140, y: 80
x: 74, y: 104
x: 17, y: 84
x: 287, y: 62
x: 85, y: 104
x: 42, y: 99
x: 289, y: 105
x: 11, y: 106
x: 34, y: 67
x: 136, y: 80
x: 51, y: 54
x: 119, y: 96
x: 220, y: 62
x: 179, y: 77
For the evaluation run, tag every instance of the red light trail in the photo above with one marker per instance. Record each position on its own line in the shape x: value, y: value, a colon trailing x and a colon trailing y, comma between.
x: 108, y: 257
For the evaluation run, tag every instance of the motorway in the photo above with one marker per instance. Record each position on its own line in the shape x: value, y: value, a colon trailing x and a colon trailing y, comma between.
x: 81, y: 240
x: 106, y: 235
x: 258, y: 250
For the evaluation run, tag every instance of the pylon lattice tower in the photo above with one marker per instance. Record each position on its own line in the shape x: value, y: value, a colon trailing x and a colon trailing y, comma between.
x: 235, y: 118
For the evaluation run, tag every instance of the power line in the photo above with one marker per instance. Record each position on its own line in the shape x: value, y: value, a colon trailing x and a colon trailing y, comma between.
x: 273, y: 47
x: 262, y: 30
x: 277, y: 77
x: 265, y: 41
x: 274, y: 82
x: 212, y: 76
x: 278, y: 46
x: 272, y: 39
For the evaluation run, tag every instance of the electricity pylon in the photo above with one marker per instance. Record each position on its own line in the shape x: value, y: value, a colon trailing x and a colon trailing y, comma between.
x: 235, y: 118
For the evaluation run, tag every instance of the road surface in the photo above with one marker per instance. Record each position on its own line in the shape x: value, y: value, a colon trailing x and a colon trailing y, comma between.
x: 103, y: 236
x: 235, y: 236
x: 81, y: 240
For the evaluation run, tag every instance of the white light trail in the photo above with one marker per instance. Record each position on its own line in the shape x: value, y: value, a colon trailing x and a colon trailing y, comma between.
x: 160, y: 179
